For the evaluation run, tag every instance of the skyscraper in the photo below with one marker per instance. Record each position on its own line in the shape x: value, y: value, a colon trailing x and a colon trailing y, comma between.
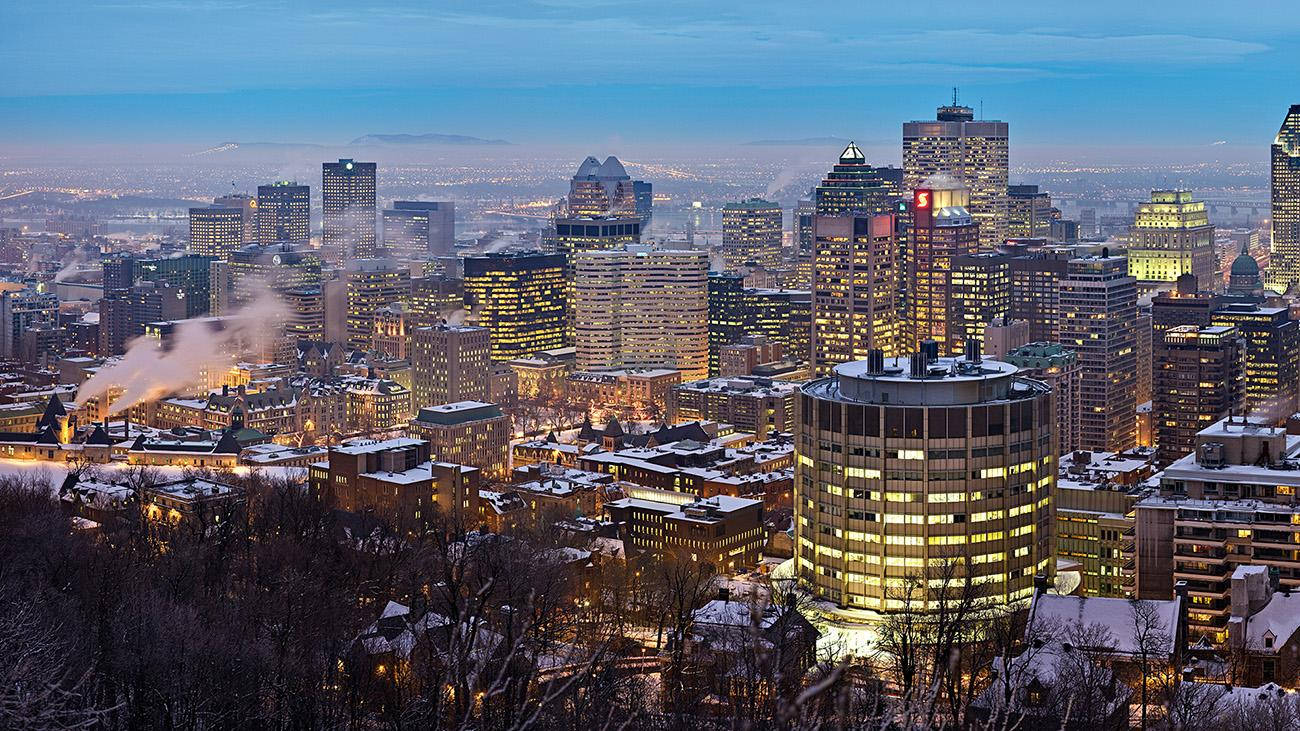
x: 1029, y: 212
x: 520, y: 298
x: 979, y: 293
x: 1172, y: 236
x: 942, y: 228
x: 889, y: 482
x: 751, y: 234
x: 642, y: 309
x: 1097, y: 321
x: 216, y: 231
x: 348, y: 211
x: 726, y: 314
x: 449, y: 363
x: 1284, y: 266
x: 283, y: 213
x: 247, y: 206
x: 372, y: 284
x: 602, y: 190
x: 974, y: 152
x: 1197, y: 381
x: 1058, y: 368
x: 1272, y: 356
x: 855, y: 287
x: 853, y: 186
x: 420, y: 229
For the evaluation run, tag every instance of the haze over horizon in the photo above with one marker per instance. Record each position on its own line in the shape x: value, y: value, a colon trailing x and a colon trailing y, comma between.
x: 1180, y: 82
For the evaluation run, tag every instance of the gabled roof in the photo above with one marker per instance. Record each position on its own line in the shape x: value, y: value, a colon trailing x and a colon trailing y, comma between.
x: 48, y: 436
x: 227, y: 443
x: 99, y: 437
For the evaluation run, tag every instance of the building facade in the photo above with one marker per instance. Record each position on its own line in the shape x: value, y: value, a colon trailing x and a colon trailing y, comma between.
x: 348, y: 211
x: 974, y: 152
x: 1098, y: 322
x: 520, y: 298
x: 905, y: 465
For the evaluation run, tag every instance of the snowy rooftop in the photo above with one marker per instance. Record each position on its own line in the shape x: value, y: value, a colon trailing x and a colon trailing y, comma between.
x: 1116, y: 615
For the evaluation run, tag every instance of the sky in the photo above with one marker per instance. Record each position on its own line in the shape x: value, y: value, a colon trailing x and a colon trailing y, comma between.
x: 1177, y: 75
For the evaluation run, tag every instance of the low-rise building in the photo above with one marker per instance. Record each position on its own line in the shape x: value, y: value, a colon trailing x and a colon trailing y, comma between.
x: 395, y: 480
x: 1230, y: 503
x: 621, y: 388
x: 467, y: 432
x: 726, y: 532
x: 756, y: 405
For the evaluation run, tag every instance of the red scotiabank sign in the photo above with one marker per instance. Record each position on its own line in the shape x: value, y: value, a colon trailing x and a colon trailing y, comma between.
x: 921, y: 198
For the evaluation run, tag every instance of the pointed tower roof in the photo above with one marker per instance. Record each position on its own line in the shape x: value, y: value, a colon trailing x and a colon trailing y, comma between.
x: 99, y: 437
x: 587, y: 433
x: 138, y: 444
x: 613, y: 428
x: 588, y: 167
x: 612, y: 168
x: 53, y: 411
x: 852, y: 154
x: 550, y: 437
x: 48, y: 435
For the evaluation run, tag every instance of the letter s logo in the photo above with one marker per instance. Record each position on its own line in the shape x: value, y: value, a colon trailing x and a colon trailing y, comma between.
x: 922, y: 199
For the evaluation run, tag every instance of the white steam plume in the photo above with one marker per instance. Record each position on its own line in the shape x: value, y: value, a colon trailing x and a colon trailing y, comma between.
x: 146, y: 372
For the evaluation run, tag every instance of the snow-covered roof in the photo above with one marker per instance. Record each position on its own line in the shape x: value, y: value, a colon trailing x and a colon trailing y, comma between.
x: 1116, y: 615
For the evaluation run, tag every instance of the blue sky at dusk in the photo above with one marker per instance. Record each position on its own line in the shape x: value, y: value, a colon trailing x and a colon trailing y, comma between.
x: 206, y: 71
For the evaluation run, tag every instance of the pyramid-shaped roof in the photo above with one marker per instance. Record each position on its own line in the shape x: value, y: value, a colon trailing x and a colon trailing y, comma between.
x: 852, y: 154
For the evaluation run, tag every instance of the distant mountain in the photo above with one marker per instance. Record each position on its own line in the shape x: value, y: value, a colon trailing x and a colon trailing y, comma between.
x: 425, y: 139
x: 800, y: 142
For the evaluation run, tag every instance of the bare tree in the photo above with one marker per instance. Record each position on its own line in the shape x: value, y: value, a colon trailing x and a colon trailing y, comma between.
x: 1151, y: 646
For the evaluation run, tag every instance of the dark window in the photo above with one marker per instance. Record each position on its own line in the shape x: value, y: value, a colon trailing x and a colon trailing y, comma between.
x: 915, y: 423
x: 872, y: 417
x: 893, y: 422
x: 855, y: 420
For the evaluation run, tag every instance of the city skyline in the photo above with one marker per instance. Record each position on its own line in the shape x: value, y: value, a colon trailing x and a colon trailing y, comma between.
x: 1070, y: 79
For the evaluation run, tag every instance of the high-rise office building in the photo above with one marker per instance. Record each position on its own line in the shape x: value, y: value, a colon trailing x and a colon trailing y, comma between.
x: 605, y: 190
x: 372, y: 284
x: 449, y: 363
x: 979, y: 293
x: 215, y: 231
x: 1058, y: 367
x: 751, y: 234
x: 1172, y: 236
x: 888, y: 483
x: 419, y: 230
x: 1185, y: 304
x: 854, y: 289
x: 304, y: 313
x: 942, y: 228
x: 347, y: 211
x: 189, y: 274
x: 784, y: 316
x: 853, y: 186
x: 974, y: 152
x: 642, y: 309
x: 520, y: 298
x: 21, y: 310
x: 645, y: 201
x: 283, y: 213
x: 1284, y: 260
x: 254, y: 270
x: 726, y: 293
x: 1145, y: 351
x: 435, y: 299
x: 1036, y: 292
x: 1029, y: 212
x: 595, y: 234
x: 1197, y: 381
x: 247, y: 206
x: 1272, y: 355
x: 1098, y: 310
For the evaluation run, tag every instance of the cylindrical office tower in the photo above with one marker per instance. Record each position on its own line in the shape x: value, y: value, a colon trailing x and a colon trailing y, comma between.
x: 922, y: 466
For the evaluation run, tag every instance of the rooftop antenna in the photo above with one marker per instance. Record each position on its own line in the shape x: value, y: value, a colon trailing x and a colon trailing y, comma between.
x: 981, y: 109
x: 954, y: 96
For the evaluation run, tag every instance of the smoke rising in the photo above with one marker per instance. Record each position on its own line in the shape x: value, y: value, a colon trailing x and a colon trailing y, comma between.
x: 148, y: 372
